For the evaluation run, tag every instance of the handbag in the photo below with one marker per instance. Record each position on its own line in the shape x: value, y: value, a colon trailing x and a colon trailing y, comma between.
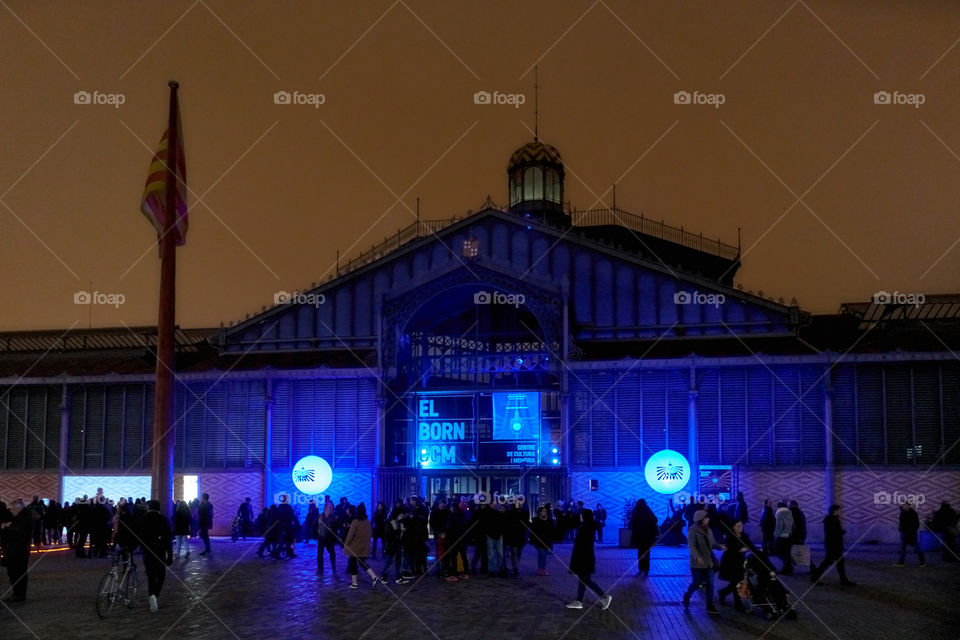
x: 800, y: 554
x: 743, y: 589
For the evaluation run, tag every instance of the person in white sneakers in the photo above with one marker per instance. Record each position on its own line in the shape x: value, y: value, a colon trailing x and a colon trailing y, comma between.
x: 157, y: 543
x: 583, y: 562
x: 357, y: 547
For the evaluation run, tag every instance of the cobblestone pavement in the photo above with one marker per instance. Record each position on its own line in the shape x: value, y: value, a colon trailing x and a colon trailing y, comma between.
x: 234, y: 594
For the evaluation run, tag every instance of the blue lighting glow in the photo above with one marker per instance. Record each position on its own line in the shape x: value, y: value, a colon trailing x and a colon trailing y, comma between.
x: 667, y: 471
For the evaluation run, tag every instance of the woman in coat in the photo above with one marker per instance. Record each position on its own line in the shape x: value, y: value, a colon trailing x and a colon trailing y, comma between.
x: 731, y: 563
x: 643, y: 534
x: 357, y: 546
x: 583, y: 562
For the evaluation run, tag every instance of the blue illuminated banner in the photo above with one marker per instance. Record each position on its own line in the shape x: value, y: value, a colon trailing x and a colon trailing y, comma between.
x: 444, y: 430
x: 516, y: 415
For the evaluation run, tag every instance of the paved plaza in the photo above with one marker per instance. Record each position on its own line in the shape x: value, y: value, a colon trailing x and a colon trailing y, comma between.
x: 234, y: 594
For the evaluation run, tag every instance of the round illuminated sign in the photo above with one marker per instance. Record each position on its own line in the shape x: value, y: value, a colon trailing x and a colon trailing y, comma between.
x: 667, y: 471
x: 312, y: 475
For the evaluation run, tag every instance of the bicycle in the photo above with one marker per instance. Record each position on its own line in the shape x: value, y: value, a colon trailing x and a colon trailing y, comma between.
x: 119, y: 584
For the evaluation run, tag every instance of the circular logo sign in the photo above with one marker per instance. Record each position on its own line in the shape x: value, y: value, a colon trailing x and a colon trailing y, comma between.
x: 667, y: 471
x: 312, y: 475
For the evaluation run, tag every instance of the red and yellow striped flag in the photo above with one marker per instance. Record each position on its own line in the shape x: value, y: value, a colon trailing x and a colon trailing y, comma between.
x: 154, y: 202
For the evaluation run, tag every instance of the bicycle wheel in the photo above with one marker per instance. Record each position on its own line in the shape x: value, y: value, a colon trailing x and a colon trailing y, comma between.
x: 131, y: 588
x: 106, y: 594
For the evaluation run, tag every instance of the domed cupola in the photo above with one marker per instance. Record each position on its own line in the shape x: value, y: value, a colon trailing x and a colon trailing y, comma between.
x: 535, y: 176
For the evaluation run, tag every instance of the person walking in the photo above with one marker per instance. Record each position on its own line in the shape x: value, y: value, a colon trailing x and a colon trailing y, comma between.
x: 783, y: 534
x: 542, y: 535
x: 327, y: 538
x: 245, y: 513
x: 157, y: 544
x: 357, y: 545
x: 181, y: 528
x: 204, y: 522
x: 731, y: 563
x: 833, y: 545
x: 644, y: 532
x: 583, y: 562
x: 909, y: 526
x: 701, y: 544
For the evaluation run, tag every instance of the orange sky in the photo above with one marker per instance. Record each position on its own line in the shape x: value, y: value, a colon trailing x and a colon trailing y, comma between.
x: 277, y: 189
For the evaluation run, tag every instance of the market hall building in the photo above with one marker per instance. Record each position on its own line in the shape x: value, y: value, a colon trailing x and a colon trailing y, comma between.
x: 528, y: 349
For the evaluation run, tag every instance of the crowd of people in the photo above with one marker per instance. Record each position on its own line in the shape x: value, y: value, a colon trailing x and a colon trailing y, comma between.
x: 469, y: 538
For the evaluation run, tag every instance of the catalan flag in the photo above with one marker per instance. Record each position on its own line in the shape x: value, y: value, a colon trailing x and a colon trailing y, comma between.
x: 154, y: 202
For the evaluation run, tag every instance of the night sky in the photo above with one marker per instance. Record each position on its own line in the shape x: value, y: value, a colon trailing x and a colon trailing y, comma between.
x: 837, y: 196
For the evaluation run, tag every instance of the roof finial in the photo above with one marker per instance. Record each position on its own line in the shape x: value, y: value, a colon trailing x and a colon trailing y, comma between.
x: 536, y: 104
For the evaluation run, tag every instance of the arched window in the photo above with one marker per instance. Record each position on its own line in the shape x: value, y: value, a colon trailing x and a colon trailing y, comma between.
x: 533, y: 184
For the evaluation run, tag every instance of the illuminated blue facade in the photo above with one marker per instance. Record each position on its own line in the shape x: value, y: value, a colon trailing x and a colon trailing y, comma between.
x: 530, y: 349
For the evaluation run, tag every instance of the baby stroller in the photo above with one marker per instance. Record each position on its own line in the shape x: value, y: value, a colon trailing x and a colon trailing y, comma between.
x: 765, y: 592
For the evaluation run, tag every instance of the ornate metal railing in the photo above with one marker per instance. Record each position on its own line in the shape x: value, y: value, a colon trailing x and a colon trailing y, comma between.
x: 654, y: 228
x: 419, y: 229
x: 588, y: 218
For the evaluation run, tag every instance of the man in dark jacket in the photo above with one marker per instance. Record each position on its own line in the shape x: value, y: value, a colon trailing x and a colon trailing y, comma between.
x: 17, y: 535
x: 909, y: 525
x: 600, y: 518
x: 833, y: 545
x: 799, y: 536
x: 768, y: 524
x: 205, y: 522
x: 644, y: 532
x: 157, y: 542
x: 439, y: 524
x: 740, y: 511
x: 287, y: 527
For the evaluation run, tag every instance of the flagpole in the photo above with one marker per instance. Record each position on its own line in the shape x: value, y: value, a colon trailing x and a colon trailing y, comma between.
x: 163, y: 406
